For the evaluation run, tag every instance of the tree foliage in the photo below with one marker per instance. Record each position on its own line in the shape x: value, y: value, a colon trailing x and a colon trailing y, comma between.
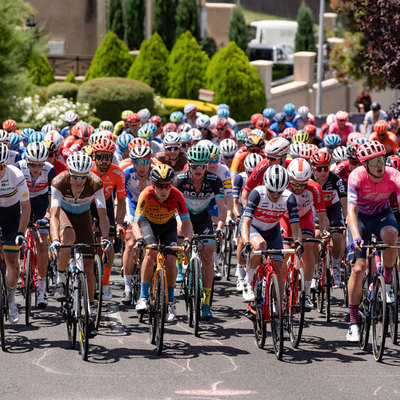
x: 187, y: 65
x: 237, y: 31
x: 150, y: 66
x: 112, y: 58
x: 134, y: 23
x: 70, y: 78
x: 164, y: 21
x: 115, y: 18
x: 235, y: 82
x: 305, y: 38
x: 209, y: 46
x: 187, y: 18
x: 40, y: 71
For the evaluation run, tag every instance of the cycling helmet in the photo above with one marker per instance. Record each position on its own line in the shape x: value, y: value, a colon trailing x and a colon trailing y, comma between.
x: 25, y: 133
x: 138, y: 142
x: 83, y: 132
x: 308, y: 150
x: 394, y: 162
x: 185, y: 127
x: 162, y: 173
x: 169, y: 127
x: 10, y: 125
x: 360, y: 140
x: 144, y: 115
x: 280, y: 117
x: 185, y: 137
x: 276, y: 178
x: 330, y: 119
x: 352, y: 137
x: 277, y: 147
x: 294, y: 149
x: 289, y: 132
x: 262, y: 123
x: 105, y: 145
x: 321, y: 158
x: 15, y: 140
x: 55, y: 137
x: 370, y: 150
x: 123, y: 141
x: 339, y: 154
x: 47, y: 128
x: 176, y: 117
x: 125, y: 114
x: 241, y: 135
x: 156, y: 120
x: 199, y: 154
x: 95, y: 137
x: 147, y: 131
x: 88, y: 149
x: 257, y: 132
x: 133, y: 119
x: 254, y: 118
x: 299, y: 170
x: 71, y: 117
x: 375, y: 106
x: 206, y: 143
x: 222, y: 106
x: 223, y: 112
x: 341, y: 117
x: 189, y: 108
x: 196, y: 134
x: 251, y: 161
x: 351, y: 153
x: 228, y: 147
x: 254, y: 141
x: 215, y: 152
x: 303, y: 112
x: 268, y: 113
x: 140, y: 152
x: 50, y: 146
x: 36, y: 152
x: 171, y: 138
x: 289, y: 108
x: 203, y: 121
x: 79, y: 162
x: 36, y: 137
x: 301, y: 136
x: 106, y: 126
x: 331, y: 139
x: 4, y: 136
x: 4, y: 153
x: 310, y: 129
x: 221, y: 123
x: 380, y: 127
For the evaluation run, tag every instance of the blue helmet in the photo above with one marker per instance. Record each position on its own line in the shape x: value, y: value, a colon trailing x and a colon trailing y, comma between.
x: 223, y: 112
x: 176, y: 117
x: 185, y: 137
x: 268, y: 113
x: 361, y: 140
x: 15, y: 140
x: 289, y: 108
x: 332, y: 140
x: 25, y: 133
x: 147, y: 131
x: 123, y: 140
x: 36, y: 137
x: 280, y: 117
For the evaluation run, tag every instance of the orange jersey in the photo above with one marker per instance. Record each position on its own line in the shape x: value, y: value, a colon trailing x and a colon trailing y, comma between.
x: 113, y: 178
x: 391, y: 142
x: 148, y: 207
x: 238, y: 162
x: 127, y: 163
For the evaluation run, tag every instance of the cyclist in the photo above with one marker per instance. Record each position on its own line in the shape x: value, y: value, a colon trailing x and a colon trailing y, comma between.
x: 221, y: 130
x: 190, y: 111
x: 338, y: 155
x: 388, y: 139
x: 72, y: 193
x: 113, y: 179
x: 223, y: 111
x: 303, y: 118
x: 70, y: 118
x: 203, y: 125
x: 9, y: 125
x: 15, y: 210
x: 148, y: 131
x: 341, y: 126
x: 172, y: 155
x: 58, y: 140
x: 375, y: 114
x: 13, y: 156
x: 155, y: 222
x: 199, y: 187
x: 281, y: 123
x: 269, y: 113
x: 344, y: 168
x: 38, y: 175
x: 185, y: 139
x: 253, y: 144
x: 228, y: 148
x: 51, y: 157
x: 263, y: 124
x: 331, y: 142
x: 313, y: 139
x: 290, y: 110
x: 121, y: 125
x: 132, y: 124
x: 122, y: 142
x: 241, y: 136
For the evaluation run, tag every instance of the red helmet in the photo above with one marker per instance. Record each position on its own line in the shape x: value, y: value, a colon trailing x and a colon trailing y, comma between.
x: 133, y: 119
x: 262, y: 123
x: 321, y: 158
x: 156, y: 120
x: 169, y: 127
x: 255, y: 117
x: 351, y: 139
x: 308, y: 150
x: 380, y: 127
x: 370, y: 150
x: 137, y: 142
x: 221, y: 123
x: 290, y: 131
x: 342, y: 117
x: 105, y: 145
x: 10, y: 125
x: 394, y: 162
x: 83, y: 132
x: 310, y: 129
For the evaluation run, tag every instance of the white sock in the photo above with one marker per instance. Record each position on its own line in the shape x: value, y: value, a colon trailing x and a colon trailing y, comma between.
x: 307, y: 285
x: 42, y: 285
x: 216, y: 259
x: 62, y: 277
x: 250, y: 272
x: 336, y: 263
x: 11, y: 294
x: 240, y: 272
x: 128, y: 283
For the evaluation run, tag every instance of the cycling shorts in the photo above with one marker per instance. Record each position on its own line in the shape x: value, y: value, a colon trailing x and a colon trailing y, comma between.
x: 272, y: 237
x: 307, y: 225
x: 166, y: 234
x: 202, y: 225
x: 110, y: 214
x: 334, y: 214
x: 9, y: 222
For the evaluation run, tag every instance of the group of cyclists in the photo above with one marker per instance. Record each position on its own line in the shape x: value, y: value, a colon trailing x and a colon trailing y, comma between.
x: 159, y: 182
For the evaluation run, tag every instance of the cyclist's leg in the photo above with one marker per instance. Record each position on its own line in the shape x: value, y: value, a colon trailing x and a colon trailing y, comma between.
x: 89, y: 271
x: 127, y: 259
x: 41, y: 265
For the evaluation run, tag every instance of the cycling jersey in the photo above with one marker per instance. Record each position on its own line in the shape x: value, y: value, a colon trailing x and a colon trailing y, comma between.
x: 132, y: 188
x: 238, y: 184
x: 300, y: 123
x: 156, y: 147
x: 66, y: 131
x: 179, y: 164
x: 60, y: 166
x: 348, y: 128
x: 372, y: 198
x: 391, y: 142
x: 150, y: 209
x: 369, y: 117
x: 13, y: 187
x: 343, y: 170
x: 13, y: 157
x: 62, y: 196
x: 113, y: 178
x: 238, y: 162
x: 275, y: 127
x: 333, y: 189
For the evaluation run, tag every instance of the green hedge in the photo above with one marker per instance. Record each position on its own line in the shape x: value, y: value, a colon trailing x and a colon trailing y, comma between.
x: 65, y: 89
x: 110, y: 96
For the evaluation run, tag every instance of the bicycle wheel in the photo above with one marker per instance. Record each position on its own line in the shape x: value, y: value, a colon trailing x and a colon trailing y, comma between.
x: 152, y: 311
x: 212, y: 293
x: 68, y: 307
x: 228, y: 256
x: 275, y: 312
x: 345, y: 279
x: 320, y: 283
x: 296, y: 307
x: 159, y: 317
x: 365, y: 316
x: 98, y: 292
x: 27, y: 285
x: 83, y: 315
x: 328, y: 288
x: 394, y: 307
x: 259, y: 323
x: 196, y: 271
x: 136, y: 283
x: 188, y: 294
x: 379, y: 318
x: 3, y: 300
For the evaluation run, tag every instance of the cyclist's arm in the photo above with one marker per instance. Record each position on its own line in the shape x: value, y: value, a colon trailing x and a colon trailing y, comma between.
x: 121, y: 210
x: 187, y: 229
x: 245, y: 196
x: 229, y: 205
x: 137, y: 229
x: 221, y: 213
x: 296, y: 231
x: 352, y: 220
x: 55, y: 223
x: 25, y: 215
x: 323, y: 221
x: 245, y: 232
x: 103, y: 222
x: 236, y: 207
x: 343, y: 201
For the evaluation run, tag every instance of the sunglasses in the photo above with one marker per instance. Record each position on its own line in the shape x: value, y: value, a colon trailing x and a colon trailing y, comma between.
x: 52, y: 154
x: 375, y: 161
x: 35, y: 165
x: 198, y: 166
x: 214, y: 161
x: 142, y: 162
x: 323, y: 168
x: 78, y: 177
x: 299, y: 184
x: 253, y: 150
x: 172, y: 148
x: 220, y: 129
x: 103, y: 157
x: 230, y: 156
x: 275, y: 192
x: 273, y: 158
x: 163, y: 185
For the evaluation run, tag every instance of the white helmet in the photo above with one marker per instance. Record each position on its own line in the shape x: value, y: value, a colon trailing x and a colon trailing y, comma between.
x: 203, y: 122
x: 339, y: 154
x: 94, y: 137
x: 276, y: 178
x: 303, y: 112
x: 4, y: 153
x: 55, y: 137
x: 144, y: 115
x: 228, y: 147
x: 330, y: 119
x: 299, y: 170
x: 251, y: 161
x: 4, y: 136
x: 47, y: 128
x: 196, y: 134
x: 189, y: 108
x: 106, y: 126
x: 140, y: 151
x: 171, y: 138
x: 185, y: 127
x: 257, y: 132
x: 71, y: 117
x: 294, y: 149
x: 79, y: 162
x: 277, y: 147
x: 36, y: 152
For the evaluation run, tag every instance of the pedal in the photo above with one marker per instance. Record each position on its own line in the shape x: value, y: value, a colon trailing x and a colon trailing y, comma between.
x: 248, y: 314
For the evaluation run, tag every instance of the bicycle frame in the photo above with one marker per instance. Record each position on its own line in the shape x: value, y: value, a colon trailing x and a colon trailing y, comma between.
x: 30, y: 240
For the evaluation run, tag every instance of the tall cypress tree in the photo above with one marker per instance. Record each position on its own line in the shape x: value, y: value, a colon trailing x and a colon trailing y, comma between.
x: 237, y: 31
x: 187, y: 18
x: 115, y: 18
x: 134, y: 21
x: 305, y: 39
x: 164, y: 21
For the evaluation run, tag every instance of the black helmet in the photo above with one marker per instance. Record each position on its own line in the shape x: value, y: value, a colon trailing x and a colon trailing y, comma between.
x: 351, y: 153
x: 162, y: 173
x: 375, y: 106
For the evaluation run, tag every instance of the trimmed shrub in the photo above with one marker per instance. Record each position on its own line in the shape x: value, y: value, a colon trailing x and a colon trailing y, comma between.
x: 65, y: 89
x: 187, y: 65
x: 134, y: 23
x: 110, y: 96
x: 150, y: 66
x: 40, y: 71
x: 70, y: 77
x: 237, y: 31
x: 187, y: 18
x: 305, y: 39
x: 235, y: 82
x: 112, y: 58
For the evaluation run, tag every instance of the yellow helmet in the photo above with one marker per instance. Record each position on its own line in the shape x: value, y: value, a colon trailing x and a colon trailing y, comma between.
x: 162, y: 173
x: 125, y: 114
x: 88, y: 149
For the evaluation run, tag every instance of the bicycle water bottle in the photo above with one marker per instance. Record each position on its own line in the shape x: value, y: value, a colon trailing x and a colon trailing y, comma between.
x: 263, y: 284
x: 370, y: 291
x: 378, y: 262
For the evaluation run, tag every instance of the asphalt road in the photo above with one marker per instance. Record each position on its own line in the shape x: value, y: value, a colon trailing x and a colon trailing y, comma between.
x: 224, y: 362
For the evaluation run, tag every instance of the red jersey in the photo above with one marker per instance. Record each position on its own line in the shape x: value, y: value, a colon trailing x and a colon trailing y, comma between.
x: 113, y: 178
x: 343, y: 170
x: 60, y: 166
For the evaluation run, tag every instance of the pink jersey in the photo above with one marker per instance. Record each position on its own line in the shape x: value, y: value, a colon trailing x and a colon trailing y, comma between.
x: 372, y: 198
x: 348, y: 128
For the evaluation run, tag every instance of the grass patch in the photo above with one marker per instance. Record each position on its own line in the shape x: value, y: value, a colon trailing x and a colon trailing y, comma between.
x: 251, y: 16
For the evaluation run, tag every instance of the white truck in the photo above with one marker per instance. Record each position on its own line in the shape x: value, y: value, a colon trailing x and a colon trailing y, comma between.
x: 272, y: 40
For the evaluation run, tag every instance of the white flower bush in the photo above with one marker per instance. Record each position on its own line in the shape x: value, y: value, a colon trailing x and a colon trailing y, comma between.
x: 53, y: 112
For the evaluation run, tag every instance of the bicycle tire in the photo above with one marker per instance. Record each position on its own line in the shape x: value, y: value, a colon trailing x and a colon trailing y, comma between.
x: 320, y: 283
x: 3, y: 300
x: 346, y: 274
x: 379, y: 318
x: 152, y: 308
x: 70, y: 312
x: 27, y: 285
x: 161, y: 306
x: 259, y: 323
x: 296, y: 307
x: 229, y: 262
x: 394, y: 308
x: 98, y: 273
x: 328, y: 289
x: 275, y: 312
x: 188, y: 294
x: 83, y: 316
x: 196, y: 270
x: 212, y: 293
x: 136, y: 279
x: 365, y: 315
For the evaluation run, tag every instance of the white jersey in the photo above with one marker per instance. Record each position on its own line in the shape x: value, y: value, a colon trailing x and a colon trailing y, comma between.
x: 13, y: 157
x: 225, y: 175
x: 156, y: 147
x: 13, y: 187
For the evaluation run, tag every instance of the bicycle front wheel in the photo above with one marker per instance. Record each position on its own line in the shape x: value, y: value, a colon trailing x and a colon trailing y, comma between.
x: 259, y: 323
x: 98, y: 294
x: 196, y: 295
x: 379, y: 318
x: 188, y: 294
x: 296, y: 307
x: 83, y: 316
x: 365, y: 316
x: 394, y: 307
x: 27, y: 285
x: 275, y: 312
x: 328, y: 287
x: 3, y: 299
x: 320, y: 283
x: 160, y: 310
x: 68, y: 308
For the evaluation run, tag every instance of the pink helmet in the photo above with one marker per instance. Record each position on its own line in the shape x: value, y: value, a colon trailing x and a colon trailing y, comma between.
x: 370, y: 150
x: 342, y: 117
x: 352, y: 137
x: 308, y: 150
